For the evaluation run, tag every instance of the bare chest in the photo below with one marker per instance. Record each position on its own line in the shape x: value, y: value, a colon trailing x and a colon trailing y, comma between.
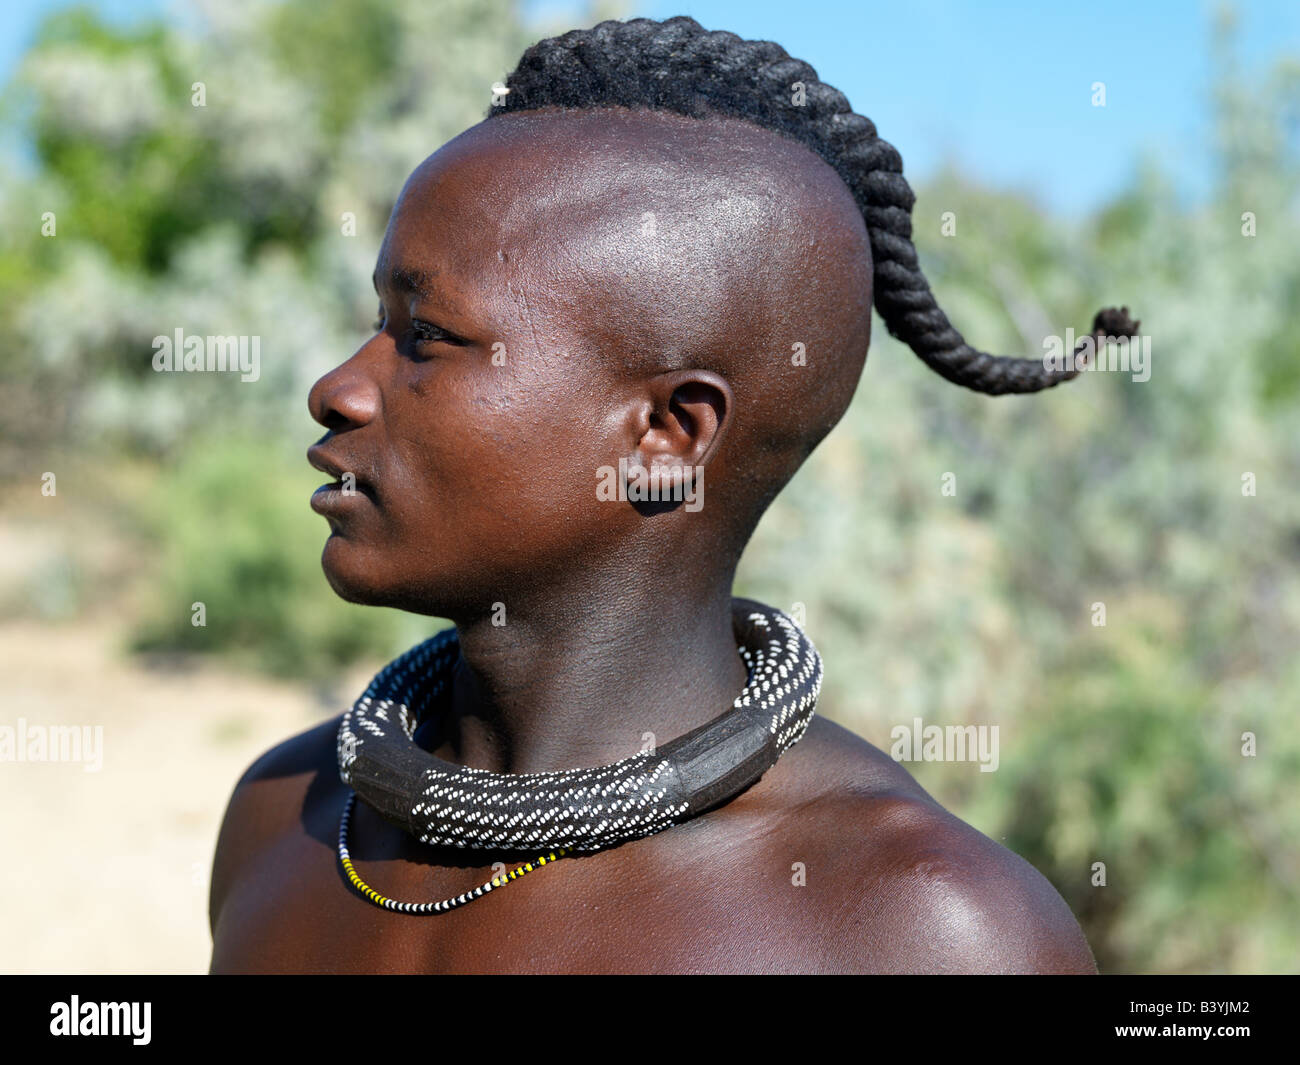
x: 656, y: 905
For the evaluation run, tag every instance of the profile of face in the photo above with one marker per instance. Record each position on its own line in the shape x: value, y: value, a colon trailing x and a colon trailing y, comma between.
x: 559, y: 292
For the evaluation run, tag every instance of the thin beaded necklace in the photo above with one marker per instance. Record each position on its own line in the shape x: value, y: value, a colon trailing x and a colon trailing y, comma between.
x: 428, y: 907
x: 441, y: 803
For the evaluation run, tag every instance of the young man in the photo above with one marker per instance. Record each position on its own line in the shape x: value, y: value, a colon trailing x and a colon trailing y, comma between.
x: 610, y: 274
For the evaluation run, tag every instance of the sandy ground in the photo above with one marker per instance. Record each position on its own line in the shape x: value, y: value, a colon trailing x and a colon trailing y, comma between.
x: 109, y: 870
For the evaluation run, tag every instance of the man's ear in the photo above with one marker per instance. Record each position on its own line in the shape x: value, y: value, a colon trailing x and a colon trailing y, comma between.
x: 683, y: 424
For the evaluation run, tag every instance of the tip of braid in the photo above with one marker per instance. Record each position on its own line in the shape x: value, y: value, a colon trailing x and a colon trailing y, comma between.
x: 1113, y: 322
x: 998, y: 375
x: 678, y: 65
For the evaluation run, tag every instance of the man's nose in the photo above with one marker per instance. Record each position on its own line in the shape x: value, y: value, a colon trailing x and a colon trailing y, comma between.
x: 346, y: 397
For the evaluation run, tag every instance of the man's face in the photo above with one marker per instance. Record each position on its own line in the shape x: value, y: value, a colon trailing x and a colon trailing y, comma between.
x: 470, y: 422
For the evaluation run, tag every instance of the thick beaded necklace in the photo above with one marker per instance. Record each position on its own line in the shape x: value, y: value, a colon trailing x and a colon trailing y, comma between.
x: 444, y: 804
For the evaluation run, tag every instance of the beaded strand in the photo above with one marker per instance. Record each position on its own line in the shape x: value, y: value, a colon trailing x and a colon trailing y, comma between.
x: 427, y: 907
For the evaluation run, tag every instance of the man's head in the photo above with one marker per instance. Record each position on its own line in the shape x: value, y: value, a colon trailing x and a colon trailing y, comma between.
x: 563, y: 290
x: 663, y: 249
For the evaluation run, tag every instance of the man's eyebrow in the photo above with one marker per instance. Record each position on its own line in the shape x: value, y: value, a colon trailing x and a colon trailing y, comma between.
x: 406, y: 279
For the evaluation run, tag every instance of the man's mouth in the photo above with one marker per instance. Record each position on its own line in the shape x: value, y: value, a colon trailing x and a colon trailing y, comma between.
x: 346, y: 484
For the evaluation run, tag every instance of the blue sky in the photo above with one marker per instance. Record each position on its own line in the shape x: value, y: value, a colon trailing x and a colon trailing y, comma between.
x: 1000, y: 89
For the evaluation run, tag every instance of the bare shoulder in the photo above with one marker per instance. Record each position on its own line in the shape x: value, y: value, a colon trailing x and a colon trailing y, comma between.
x: 268, y: 801
x: 908, y: 886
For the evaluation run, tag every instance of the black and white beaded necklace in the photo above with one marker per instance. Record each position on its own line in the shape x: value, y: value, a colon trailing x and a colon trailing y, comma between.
x: 445, y: 804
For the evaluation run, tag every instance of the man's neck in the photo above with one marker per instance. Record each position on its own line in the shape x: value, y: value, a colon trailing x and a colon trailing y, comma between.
x: 589, y: 679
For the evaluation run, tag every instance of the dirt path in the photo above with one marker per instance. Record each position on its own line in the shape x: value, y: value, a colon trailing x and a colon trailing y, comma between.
x: 109, y: 869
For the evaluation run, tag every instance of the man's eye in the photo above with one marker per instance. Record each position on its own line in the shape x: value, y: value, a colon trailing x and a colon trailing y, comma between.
x: 427, y: 331
x: 421, y: 331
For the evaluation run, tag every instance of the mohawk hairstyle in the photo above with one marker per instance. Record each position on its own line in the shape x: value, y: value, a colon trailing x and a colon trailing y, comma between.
x: 676, y: 65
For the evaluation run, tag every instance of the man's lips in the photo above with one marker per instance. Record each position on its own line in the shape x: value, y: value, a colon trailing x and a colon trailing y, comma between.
x: 347, y: 483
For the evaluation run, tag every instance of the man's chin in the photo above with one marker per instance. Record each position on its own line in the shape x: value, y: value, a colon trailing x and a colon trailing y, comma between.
x: 357, y: 575
x: 350, y: 575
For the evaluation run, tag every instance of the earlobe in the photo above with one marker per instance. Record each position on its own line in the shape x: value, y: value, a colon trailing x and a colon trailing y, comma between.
x: 642, y: 482
x: 662, y: 485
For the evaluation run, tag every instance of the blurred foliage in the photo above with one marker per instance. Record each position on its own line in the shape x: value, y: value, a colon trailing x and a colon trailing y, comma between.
x: 237, y: 537
x: 1119, y: 744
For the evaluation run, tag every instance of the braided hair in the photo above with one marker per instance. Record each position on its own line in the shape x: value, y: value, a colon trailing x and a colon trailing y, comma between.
x: 676, y: 65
